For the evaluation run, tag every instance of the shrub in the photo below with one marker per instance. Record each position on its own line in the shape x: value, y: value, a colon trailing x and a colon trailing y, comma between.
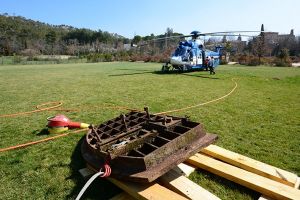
x: 253, y: 61
x: 223, y: 62
x: 267, y: 61
x: 98, y: 57
x: 295, y: 59
x: 243, y: 59
x: 17, y: 59
x: 29, y: 52
x: 283, y: 59
x: 107, y: 57
x: 282, y: 63
x: 147, y: 58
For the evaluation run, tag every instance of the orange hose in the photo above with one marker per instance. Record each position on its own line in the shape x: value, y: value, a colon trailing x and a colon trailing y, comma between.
x: 39, y: 141
x: 58, y: 104
x: 202, y: 104
x: 38, y: 109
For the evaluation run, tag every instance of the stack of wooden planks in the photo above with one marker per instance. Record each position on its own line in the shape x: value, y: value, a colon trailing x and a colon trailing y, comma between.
x: 271, y: 182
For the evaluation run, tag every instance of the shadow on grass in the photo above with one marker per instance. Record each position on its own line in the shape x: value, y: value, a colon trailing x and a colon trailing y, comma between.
x: 44, y: 131
x: 134, y: 73
x: 163, y: 73
x: 99, y: 189
x: 141, y: 70
x: 186, y: 74
x: 200, y: 76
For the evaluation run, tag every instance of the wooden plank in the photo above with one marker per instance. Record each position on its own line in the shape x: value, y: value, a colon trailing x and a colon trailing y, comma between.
x: 297, y: 183
x: 143, y: 191
x: 175, y: 181
x: 253, y: 181
x: 184, y: 169
x: 152, y: 191
x: 122, y: 196
x: 184, y: 186
x: 264, y: 198
x: 251, y: 165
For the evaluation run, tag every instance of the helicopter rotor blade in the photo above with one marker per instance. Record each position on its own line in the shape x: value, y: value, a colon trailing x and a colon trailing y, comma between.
x: 161, y: 39
x: 224, y: 32
x: 218, y: 35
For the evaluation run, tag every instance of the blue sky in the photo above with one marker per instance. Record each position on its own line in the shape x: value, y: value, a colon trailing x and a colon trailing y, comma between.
x: 143, y: 17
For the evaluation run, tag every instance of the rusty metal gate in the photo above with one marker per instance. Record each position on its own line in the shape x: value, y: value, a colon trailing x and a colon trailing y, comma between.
x: 141, y: 147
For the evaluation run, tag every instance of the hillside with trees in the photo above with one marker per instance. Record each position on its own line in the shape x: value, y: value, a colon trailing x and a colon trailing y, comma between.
x: 19, y: 35
x: 28, y: 38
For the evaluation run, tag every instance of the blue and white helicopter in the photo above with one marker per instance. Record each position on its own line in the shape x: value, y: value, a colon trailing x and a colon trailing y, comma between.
x: 191, y: 55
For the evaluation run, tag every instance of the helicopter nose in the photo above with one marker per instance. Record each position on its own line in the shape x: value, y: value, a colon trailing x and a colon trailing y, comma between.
x: 176, y: 60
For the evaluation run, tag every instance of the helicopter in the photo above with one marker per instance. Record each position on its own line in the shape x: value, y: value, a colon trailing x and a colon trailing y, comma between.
x: 191, y: 55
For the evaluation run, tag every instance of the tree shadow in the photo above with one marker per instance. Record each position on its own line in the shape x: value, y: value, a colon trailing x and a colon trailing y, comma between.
x: 99, y: 189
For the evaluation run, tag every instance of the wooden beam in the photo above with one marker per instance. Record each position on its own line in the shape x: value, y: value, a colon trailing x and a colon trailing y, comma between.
x: 184, y: 186
x: 176, y: 181
x: 143, y: 191
x: 264, y: 198
x: 251, y: 165
x: 253, y: 181
x: 184, y: 169
x: 152, y: 191
x: 122, y: 196
x: 297, y: 183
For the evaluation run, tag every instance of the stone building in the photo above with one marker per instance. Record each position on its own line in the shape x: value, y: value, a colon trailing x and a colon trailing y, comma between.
x: 274, y: 41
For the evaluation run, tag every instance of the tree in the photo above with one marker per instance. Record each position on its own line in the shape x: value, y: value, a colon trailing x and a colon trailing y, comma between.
x: 51, y: 39
x: 257, y: 45
x: 261, y: 48
x: 136, y: 39
x: 284, y: 58
x: 169, y: 32
x: 283, y: 54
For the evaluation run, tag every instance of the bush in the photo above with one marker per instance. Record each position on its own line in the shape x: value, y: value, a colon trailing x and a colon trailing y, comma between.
x: 253, y: 61
x: 283, y: 59
x: 243, y: 59
x: 283, y: 62
x: 17, y: 59
x: 223, y: 62
x: 295, y: 59
x: 267, y: 61
x: 29, y: 52
x: 98, y: 57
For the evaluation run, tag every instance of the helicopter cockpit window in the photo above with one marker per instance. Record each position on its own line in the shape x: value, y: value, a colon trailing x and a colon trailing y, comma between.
x: 181, y: 51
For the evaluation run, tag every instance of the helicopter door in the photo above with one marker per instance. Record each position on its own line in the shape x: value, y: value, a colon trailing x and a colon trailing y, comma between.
x: 199, y: 59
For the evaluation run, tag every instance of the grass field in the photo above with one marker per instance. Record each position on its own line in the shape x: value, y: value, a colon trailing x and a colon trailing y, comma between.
x: 261, y: 119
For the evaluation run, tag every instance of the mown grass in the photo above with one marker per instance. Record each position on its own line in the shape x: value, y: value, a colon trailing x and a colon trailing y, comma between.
x: 260, y: 119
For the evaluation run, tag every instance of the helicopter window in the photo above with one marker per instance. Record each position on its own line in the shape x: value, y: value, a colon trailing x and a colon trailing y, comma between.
x: 177, y: 52
x: 181, y: 51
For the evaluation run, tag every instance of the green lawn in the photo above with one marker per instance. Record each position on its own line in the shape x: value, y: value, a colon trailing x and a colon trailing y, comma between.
x: 261, y: 119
